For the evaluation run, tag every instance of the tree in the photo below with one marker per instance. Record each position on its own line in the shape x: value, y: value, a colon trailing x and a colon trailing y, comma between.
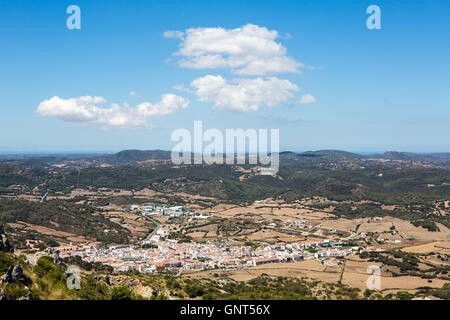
x: 121, y: 293
x: 404, y: 295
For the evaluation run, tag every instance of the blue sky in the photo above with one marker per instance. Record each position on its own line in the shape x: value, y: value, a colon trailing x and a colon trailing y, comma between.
x: 375, y: 90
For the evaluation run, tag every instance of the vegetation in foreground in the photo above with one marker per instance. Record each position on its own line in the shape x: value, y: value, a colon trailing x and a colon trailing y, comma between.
x: 48, y: 281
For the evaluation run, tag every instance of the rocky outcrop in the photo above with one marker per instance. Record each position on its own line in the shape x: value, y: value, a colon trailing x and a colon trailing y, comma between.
x: 5, y: 245
x: 14, y: 274
x: 146, y: 291
x: 115, y: 281
x: 28, y: 296
x: 134, y: 284
x: 2, y: 294
x: 57, y: 260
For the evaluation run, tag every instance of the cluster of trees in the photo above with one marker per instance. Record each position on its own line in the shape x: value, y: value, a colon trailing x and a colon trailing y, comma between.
x: 181, y: 237
x: 88, y: 266
x: 409, y: 262
x: 265, y: 287
x: 427, y: 224
x: 63, y: 216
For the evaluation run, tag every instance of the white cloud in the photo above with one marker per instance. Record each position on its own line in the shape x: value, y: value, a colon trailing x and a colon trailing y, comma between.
x: 173, y: 34
x: 181, y: 87
x: 84, y: 110
x: 132, y: 93
x: 169, y: 103
x: 249, y: 50
x: 243, y: 95
x: 307, y: 99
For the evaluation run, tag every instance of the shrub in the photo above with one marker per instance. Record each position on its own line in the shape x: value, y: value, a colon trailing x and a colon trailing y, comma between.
x: 14, y: 291
x: 121, y: 293
x: 443, y: 293
x: 194, y: 290
x: 6, y: 261
x: 43, y: 266
x: 404, y: 295
x: 92, y: 290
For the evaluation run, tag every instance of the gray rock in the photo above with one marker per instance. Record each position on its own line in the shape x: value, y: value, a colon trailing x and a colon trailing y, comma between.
x: 58, y: 260
x: 28, y: 296
x: 2, y: 294
x: 5, y: 245
x: 14, y: 274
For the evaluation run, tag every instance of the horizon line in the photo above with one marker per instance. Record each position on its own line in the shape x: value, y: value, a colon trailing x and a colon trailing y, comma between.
x: 97, y: 152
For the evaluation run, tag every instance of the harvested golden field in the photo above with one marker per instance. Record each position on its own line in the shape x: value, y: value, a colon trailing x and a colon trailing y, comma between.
x: 355, y: 274
x: 307, y: 268
x: 135, y: 223
x: 145, y: 192
x: 406, y: 229
x: 196, y: 235
x: 439, y: 247
x: 49, y: 231
x: 342, y: 224
x: 272, y: 235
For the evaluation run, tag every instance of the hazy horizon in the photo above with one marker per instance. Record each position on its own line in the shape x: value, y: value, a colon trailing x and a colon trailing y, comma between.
x: 99, y: 152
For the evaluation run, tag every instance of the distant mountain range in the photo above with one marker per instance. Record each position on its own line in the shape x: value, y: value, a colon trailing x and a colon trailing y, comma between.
x: 126, y: 157
x: 129, y: 156
x: 408, y: 156
x: 338, y: 155
x: 143, y: 155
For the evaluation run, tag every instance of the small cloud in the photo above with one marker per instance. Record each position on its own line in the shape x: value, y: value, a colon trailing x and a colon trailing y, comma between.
x: 308, y: 67
x: 132, y: 93
x: 173, y: 34
x: 306, y: 99
x: 181, y: 87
